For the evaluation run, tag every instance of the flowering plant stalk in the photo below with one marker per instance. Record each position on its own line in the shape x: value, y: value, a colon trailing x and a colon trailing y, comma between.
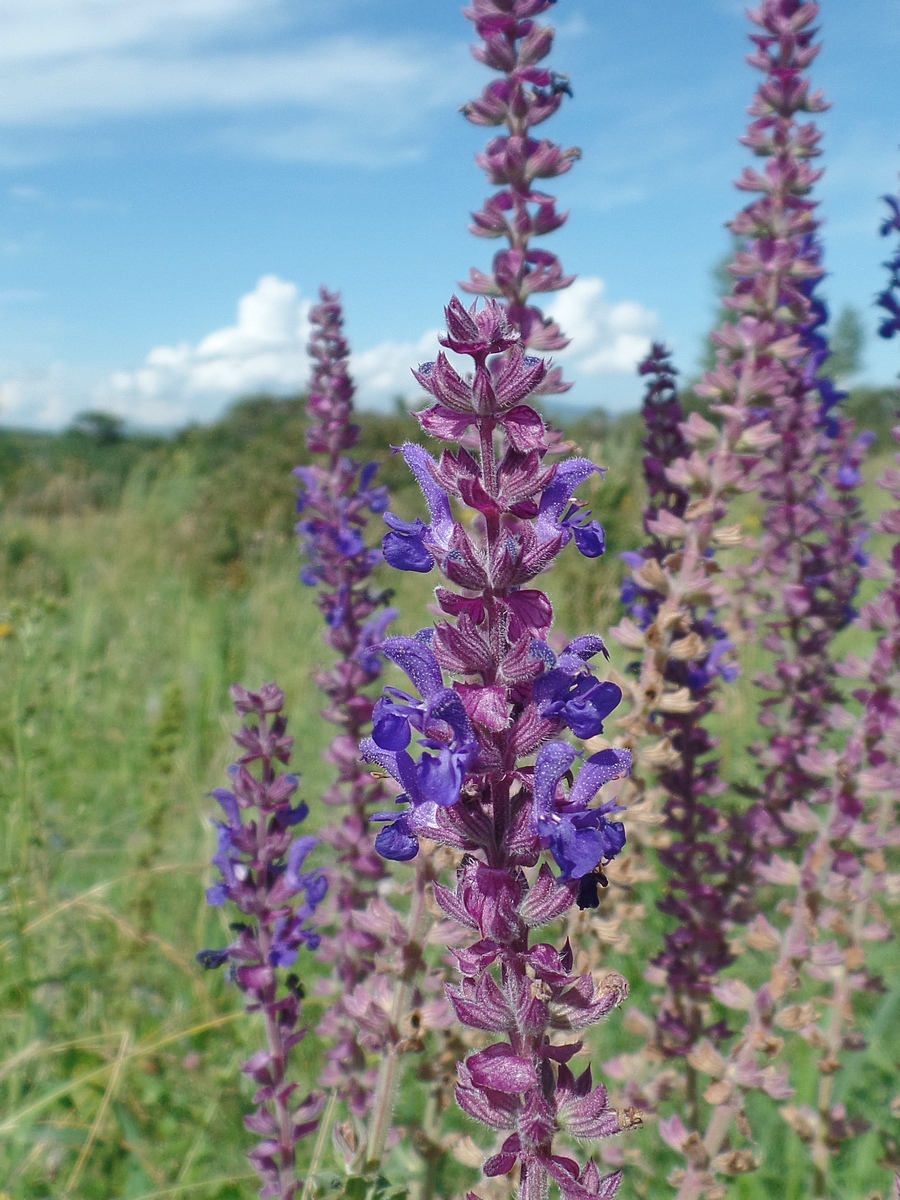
x: 526, y: 95
x: 260, y: 863
x: 806, y: 572
x: 889, y: 299
x: 336, y: 500
x: 700, y: 892
x: 834, y: 914
x: 472, y: 785
x: 681, y: 598
x: 380, y: 983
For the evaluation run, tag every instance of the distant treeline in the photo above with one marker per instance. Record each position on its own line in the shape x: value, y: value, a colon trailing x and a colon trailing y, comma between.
x: 224, y: 496
x: 258, y: 441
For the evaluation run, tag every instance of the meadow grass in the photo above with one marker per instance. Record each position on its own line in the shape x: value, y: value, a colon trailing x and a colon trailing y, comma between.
x: 119, y: 1057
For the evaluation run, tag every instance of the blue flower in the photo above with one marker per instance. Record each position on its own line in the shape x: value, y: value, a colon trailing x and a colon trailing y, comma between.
x: 558, y: 515
x: 439, y: 716
x: 228, y: 859
x: 590, y: 536
x: 578, y: 837
x: 404, y: 547
x: 396, y: 841
x: 447, y: 739
x: 579, y: 700
x: 410, y: 544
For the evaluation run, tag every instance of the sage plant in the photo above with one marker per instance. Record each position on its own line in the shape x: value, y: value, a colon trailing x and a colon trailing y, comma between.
x: 699, y: 889
x: 260, y: 862
x: 834, y: 907
x: 889, y: 299
x: 490, y: 776
x: 336, y: 501
x: 810, y: 558
x: 526, y: 95
x: 763, y: 362
x: 806, y: 572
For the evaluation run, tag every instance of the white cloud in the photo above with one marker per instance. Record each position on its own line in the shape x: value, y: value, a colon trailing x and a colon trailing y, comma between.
x: 44, y: 398
x: 46, y: 29
x: 264, y: 351
x: 384, y: 371
x: 278, y: 87
x: 606, y: 338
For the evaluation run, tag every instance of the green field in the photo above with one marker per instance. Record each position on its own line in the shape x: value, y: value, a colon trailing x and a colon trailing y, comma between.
x: 139, y: 580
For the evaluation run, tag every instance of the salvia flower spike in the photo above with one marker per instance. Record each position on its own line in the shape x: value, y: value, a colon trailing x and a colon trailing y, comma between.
x: 479, y: 759
x: 261, y: 863
x: 517, y: 163
x: 766, y: 375
x: 835, y: 913
x: 805, y: 576
x: 699, y: 894
x: 336, y: 500
x: 889, y: 299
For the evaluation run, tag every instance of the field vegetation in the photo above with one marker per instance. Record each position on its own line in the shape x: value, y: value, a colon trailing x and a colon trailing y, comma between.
x: 139, y: 578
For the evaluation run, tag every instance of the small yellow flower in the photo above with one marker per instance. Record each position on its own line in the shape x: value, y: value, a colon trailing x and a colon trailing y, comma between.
x: 5, y: 631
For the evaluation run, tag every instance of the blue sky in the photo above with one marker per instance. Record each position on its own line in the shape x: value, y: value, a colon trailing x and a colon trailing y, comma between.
x: 177, y: 177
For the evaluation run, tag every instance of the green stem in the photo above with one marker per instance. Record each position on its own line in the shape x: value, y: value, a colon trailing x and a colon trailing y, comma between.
x: 325, y: 1126
x: 383, y: 1104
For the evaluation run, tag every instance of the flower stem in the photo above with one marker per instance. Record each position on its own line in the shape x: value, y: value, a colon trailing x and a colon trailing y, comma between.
x: 325, y: 1126
x: 383, y: 1104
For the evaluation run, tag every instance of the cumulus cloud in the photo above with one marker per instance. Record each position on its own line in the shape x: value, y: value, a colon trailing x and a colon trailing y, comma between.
x: 606, y: 338
x: 265, y: 350
x: 383, y: 372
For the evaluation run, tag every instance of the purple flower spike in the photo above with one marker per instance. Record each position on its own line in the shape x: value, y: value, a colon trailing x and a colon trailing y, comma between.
x: 889, y: 300
x: 806, y: 574
x: 703, y: 899
x: 337, y: 500
x: 261, y: 865
x: 778, y: 431
x: 462, y: 751
x: 526, y: 95
x: 490, y: 695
